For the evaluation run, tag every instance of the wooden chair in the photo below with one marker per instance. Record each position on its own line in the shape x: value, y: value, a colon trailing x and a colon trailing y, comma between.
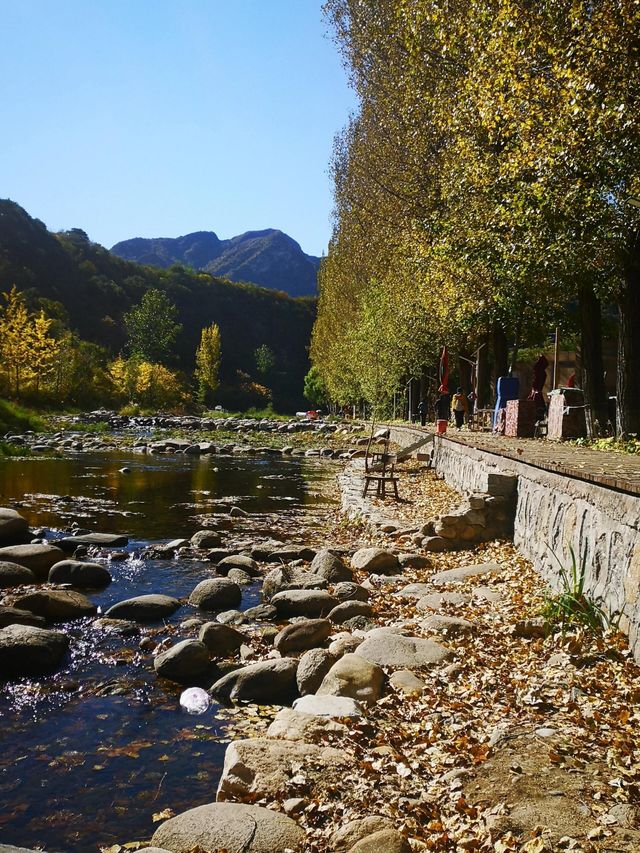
x: 380, y: 466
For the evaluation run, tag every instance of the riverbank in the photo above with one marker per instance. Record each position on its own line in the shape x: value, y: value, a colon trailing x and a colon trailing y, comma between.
x: 465, y: 723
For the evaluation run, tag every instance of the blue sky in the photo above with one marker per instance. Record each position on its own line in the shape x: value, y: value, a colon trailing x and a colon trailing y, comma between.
x: 148, y: 118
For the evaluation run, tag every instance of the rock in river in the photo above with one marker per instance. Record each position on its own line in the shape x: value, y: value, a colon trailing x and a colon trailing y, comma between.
x: 82, y: 575
x: 216, y: 594
x: 235, y: 827
x: 206, y: 539
x: 13, y: 527
x: 38, y: 558
x: 26, y: 650
x: 100, y: 540
x: 12, y: 574
x: 15, y: 616
x: 182, y: 662
x: 144, y: 608
x: 269, y: 682
x: 56, y: 605
x: 221, y: 640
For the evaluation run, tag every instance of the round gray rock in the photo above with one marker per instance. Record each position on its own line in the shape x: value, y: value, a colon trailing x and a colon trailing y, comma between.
x: 312, y: 668
x: 238, y: 561
x: 348, y: 610
x: 303, y: 602
x: 15, y: 616
x: 56, y: 605
x: 144, y: 608
x: 326, y: 565
x: 221, y: 640
x: 82, y: 575
x: 355, y: 677
x: 13, y: 527
x: 376, y: 561
x: 286, y: 577
x: 350, y: 592
x: 27, y: 650
x: 206, y: 539
x: 235, y: 827
x: 303, y: 635
x: 216, y: 594
x: 270, y: 682
x: 38, y: 558
x: 182, y: 662
x: 12, y: 574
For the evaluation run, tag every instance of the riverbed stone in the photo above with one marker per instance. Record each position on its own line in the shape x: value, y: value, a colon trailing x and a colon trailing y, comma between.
x: 287, y: 553
x: 78, y: 574
x: 438, y: 600
x: 239, y: 577
x: 386, y: 648
x: 414, y: 590
x: 326, y: 705
x: 349, y: 610
x: 376, y: 561
x: 290, y: 577
x: 450, y: 626
x: 13, y: 574
x: 312, y: 668
x: 343, y: 644
x: 100, y: 540
x: 235, y: 827
x: 302, y: 635
x: 269, y: 682
x: 414, y: 561
x: 27, y: 650
x: 290, y: 724
x: 330, y: 567
x: 261, y: 613
x: 355, y: 677
x: 343, y: 839
x: 239, y: 561
x: 216, y: 594
x: 303, y: 602
x: 347, y: 591
x: 461, y: 574
x: 221, y: 640
x: 144, y: 608
x: 186, y: 660
x: 14, y: 529
x: 56, y: 605
x: 38, y: 558
x: 406, y: 681
x: 263, y: 767
x: 205, y: 539
x: 384, y: 841
x: 15, y: 616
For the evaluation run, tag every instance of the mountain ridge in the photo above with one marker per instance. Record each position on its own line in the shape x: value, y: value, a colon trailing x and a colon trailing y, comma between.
x: 268, y: 257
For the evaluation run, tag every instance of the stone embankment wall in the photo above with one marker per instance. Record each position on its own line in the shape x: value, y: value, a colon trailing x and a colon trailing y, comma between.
x: 554, y: 513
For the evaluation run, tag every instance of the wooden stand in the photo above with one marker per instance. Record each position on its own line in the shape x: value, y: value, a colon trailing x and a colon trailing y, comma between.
x: 520, y: 419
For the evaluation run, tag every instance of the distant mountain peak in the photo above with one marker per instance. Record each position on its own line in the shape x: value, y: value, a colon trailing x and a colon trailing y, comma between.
x: 269, y: 257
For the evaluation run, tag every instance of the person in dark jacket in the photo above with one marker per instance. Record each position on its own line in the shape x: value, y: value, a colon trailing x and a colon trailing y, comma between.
x: 422, y: 411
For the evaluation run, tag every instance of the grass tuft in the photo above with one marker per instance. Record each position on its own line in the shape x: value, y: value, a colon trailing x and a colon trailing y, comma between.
x: 570, y: 606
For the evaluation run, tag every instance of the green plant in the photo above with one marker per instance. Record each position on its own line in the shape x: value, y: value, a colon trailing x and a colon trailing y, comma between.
x: 571, y: 606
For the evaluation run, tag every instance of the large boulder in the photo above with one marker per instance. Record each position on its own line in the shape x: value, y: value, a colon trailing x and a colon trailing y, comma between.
x: 144, y: 608
x: 325, y: 705
x: 56, y: 605
x: 376, y: 561
x: 82, y: 575
x: 346, y: 591
x: 343, y: 839
x: 221, y: 640
x: 461, y: 574
x: 38, y: 558
x: 238, y: 561
x: 355, y: 677
x: 269, y: 682
x: 99, y: 540
x: 15, y: 616
x: 14, y: 529
x: 326, y: 565
x: 285, y: 577
x: 183, y: 662
x: 27, y: 650
x: 303, y: 635
x: 206, y: 539
x: 216, y: 594
x: 13, y: 574
x: 263, y: 767
x: 386, y: 648
x: 303, y: 602
x: 234, y: 827
x: 312, y: 668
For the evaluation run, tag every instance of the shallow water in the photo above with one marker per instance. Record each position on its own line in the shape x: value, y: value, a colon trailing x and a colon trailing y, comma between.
x: 80, y: 769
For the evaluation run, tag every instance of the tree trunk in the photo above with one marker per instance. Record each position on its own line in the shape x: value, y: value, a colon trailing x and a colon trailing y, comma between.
x: 591, y: 364
x: 500, y: 354
x: 482, y: 377
x: 464, y: 371
x: 628, y: 373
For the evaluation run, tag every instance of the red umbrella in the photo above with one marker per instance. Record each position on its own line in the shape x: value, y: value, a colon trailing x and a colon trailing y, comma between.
x: 444, y: 372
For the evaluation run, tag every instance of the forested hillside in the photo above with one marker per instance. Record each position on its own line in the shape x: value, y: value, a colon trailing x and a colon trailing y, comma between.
x: 89, y: 290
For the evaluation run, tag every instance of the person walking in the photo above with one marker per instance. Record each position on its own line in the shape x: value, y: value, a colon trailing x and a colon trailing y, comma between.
x: 442, y: 410
x: 422, y: 411
x: 459, y: 407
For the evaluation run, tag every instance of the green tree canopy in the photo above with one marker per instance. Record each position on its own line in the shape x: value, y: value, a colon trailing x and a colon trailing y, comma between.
x: 152, y: 328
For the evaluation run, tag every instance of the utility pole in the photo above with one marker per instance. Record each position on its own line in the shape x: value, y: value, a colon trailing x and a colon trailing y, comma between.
x: 556, y: 351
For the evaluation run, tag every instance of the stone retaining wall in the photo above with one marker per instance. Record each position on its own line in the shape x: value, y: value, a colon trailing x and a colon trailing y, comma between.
x: 554, y: 513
